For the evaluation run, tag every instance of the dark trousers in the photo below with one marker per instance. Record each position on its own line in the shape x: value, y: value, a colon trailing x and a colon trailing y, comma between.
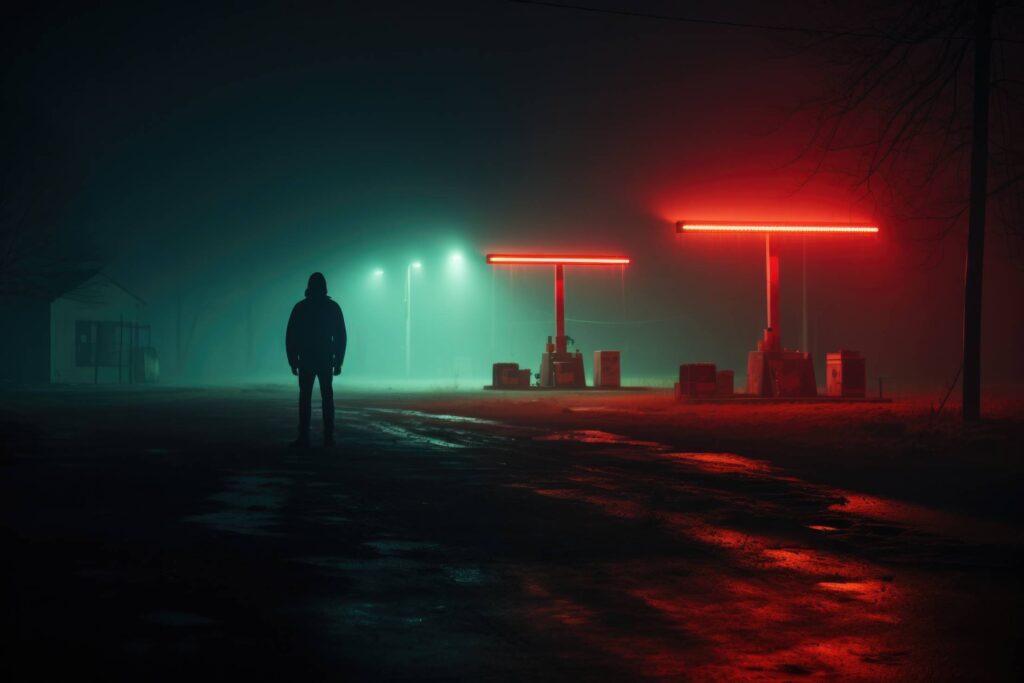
x: 306, y: 378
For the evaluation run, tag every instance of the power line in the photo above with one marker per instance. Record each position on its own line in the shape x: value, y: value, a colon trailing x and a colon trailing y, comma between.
x: 726, y: 24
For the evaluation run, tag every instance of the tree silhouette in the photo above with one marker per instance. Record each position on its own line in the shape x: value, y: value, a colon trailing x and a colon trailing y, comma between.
x: 922, y: 117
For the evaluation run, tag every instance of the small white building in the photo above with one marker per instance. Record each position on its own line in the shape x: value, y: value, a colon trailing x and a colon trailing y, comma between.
x: 96, y: 336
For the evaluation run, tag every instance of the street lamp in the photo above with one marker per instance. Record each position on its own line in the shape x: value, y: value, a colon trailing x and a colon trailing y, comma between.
x: 455, y: 267
x: 415, y: 265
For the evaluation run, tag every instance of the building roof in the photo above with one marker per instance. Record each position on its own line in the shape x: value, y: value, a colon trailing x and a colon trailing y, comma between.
x: 81, y: 291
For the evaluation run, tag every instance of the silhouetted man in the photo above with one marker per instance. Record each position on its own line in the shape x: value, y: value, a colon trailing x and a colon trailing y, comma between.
x: 315, y: 342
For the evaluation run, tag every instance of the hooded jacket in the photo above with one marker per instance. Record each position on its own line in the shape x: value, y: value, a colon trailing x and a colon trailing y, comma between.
x: 316, y: 336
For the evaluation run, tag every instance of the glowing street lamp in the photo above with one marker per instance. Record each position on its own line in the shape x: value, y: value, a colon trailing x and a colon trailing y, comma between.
x: 455, y: 266
x: 772, y: 343
x: 415, y: 265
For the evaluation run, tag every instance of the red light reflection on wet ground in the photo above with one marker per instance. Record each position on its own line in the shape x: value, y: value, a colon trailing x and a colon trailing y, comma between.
x: 596, y: 436
x: 767, y: 599
x: 706, y: 626
x: 723, y: 462
x: 925, y: 518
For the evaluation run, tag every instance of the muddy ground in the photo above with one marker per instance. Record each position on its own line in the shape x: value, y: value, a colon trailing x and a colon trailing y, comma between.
x: 170, y: 533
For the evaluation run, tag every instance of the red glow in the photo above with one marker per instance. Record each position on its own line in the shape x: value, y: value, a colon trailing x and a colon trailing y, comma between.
x: 551, y: 259
x: 758, y: 227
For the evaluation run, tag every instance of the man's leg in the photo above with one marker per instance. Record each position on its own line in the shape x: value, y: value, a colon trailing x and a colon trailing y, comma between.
x: 326, y: 378
x: 306, y: 378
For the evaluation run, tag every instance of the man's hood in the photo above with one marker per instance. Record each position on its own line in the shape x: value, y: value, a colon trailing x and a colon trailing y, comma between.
x: 317, y: 287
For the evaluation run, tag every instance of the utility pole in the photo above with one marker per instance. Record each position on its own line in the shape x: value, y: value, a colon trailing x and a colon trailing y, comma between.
x: 248, y: 332
x: 976, y: 221
x: 408, y: 321
x: 177, y: 340
x: 415, y: 265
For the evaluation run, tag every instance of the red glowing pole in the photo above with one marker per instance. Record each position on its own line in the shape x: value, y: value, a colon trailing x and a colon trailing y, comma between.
x: 772, y: 333
x: 560, y: 345
x: 559, y: 262
x: 772, y: 338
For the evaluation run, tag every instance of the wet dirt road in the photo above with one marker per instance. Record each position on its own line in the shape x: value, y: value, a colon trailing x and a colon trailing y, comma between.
x: 170, y: 534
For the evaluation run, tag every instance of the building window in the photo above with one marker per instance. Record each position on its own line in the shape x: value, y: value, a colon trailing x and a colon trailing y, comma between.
x: 97, y: 343
x: 84, y: 347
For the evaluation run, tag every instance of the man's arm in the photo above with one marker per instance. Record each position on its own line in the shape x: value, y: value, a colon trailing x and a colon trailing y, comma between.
x: 291, y: 339
x: 339, y: 338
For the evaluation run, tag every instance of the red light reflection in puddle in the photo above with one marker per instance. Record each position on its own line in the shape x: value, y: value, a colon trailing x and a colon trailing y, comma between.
x: 752, y: 550
x: 613, y: 507
x: 759, y: 628
x: 709, y: 626
x: 599, y: 437
x: 764, y: 606
x: 870, y: 590
x: 722, y: 462
x: 771, y: 611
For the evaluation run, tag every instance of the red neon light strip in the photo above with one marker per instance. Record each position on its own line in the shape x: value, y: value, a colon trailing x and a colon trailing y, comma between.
x: 521, y: 259
x: 731, y: 226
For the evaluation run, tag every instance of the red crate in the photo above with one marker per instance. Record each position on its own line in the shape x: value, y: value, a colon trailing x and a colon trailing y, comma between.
x: 698, y: 380
x: 505, y: 375
x: 846, y: 373
x: 607, y: 370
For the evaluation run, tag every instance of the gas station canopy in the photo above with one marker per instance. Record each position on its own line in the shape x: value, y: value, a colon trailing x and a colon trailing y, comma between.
x: 555, y: 260
x: 558, y: 352
x: 792, y: 369
x: 742, y: 226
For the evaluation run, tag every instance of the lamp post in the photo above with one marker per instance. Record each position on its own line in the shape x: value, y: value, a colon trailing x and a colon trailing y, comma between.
x: 408, y: 315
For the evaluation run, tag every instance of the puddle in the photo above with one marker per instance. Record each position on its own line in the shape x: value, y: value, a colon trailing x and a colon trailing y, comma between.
x: 722, y: 462
x: 398, y: 547
x: 464, y: 575
x: 416, y: 439
x: 872, y: 590
x: 434, y: 416
x: 249, y: 505
x: 597, y: 436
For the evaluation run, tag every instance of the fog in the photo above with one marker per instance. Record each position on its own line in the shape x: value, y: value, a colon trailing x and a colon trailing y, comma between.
x: 226, y: 155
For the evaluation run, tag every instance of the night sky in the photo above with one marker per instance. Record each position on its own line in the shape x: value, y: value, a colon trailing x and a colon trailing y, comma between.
x: 217, y: 156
